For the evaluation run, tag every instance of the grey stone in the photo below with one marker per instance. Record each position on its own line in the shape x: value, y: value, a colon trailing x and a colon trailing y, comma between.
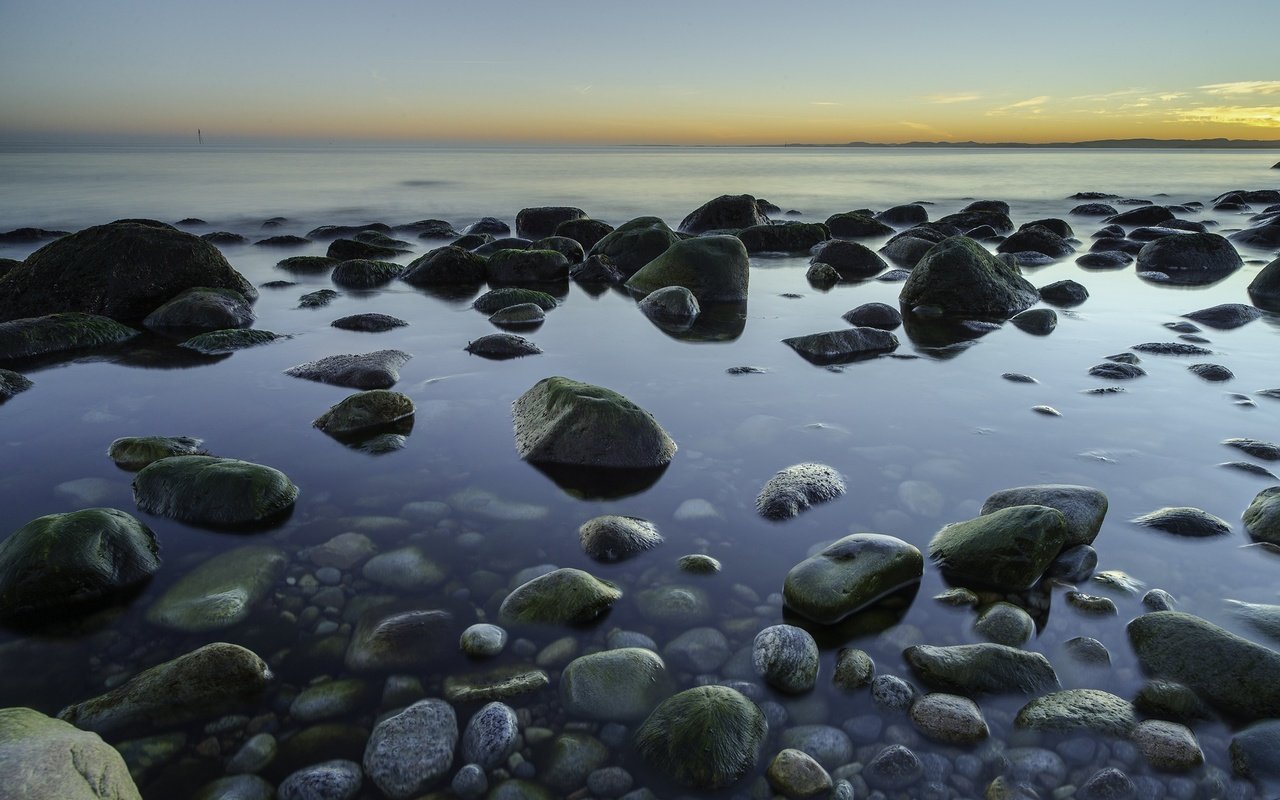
x: 892, y: 692
x: 1190, y: 258
x: 1079, y: 709
x: 675, y: 605
x: 698, y: 650
x: 894, y: 768
x: 490, y: 736
x: 408, y: 569
x: 1255, y: 751
x: 829, y: 746
x: 330, y: 699
x: 797, y: 488
x: 613, y: 538
x: 561, y: 421
x: 364, y: 411
x: 786, y: 657
x: 796, y: 774
x: 1262, y: 517
x: 47, y: 759
x: 621, y: 685
x: 1082, y: 507
x: 1184, y: 521
x: 411, y: 751
x: 854, y: 669
x: 851, y: 260
x: 564, y: 596
x: 388, y: 639
x: 972, y: 669
x: 483, y: 640
x: 221, y: 592
x: 376, y: 370
x: 1167, y: 745
x: 338, y: 779
x: 574, y: 756
x: 949, y: 718
x: 1009, y: 548
x: 713, y: 268
x: 1005, y: 623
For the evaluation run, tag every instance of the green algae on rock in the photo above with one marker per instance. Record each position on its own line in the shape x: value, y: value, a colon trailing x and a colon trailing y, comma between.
x: 704, y: 738
x: 714, y: 268
x: 214, y: 343
x: 562, y: 421
x: 56, y: 333
x: 1008, y: 549
x: 43, y: 758
x: 135, y: 452
x: 849, y: 575
x: 220, y: 592
x: 563, y: 596
x: 207, y: 490
x: 372, y: 409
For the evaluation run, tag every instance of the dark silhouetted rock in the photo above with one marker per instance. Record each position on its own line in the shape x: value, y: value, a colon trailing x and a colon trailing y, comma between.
x: 726, y: 212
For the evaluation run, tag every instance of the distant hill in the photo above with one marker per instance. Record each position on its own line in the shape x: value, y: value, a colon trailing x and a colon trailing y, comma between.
x: 1168, y: 144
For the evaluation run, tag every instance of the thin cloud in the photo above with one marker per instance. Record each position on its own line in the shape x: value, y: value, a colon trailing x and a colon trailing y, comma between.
x: 1243, y: 87
x: 1108, y: 95
x: 1170, y: 96
x: 1032, y: 103
x: 824, y: 103
x: 959, y: 97
x: 1259, y: 116
x: 929, y: 129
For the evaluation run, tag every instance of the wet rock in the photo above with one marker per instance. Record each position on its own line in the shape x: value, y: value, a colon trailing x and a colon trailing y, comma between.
x: 122, y: 270
x: 1227, y: 671
x: 1264, y: 237
x: 893, y: 768
x: 843, y: 346
x: 1093, y: 210
x: 220, y: 592
x: 224, y: 238
x: 1037, y: 239
x: 1083, y: 508
x: 798, y: 488
x: 445, y: 266
x: 874, y: 315
x: 1108, y: 784
x: 205, y: 683
x: 390, y: 639
x: 369, y: 323
x: 287, y: 240
x: 1167, y: 745
x: 1106, y: 259
x: 714, y: 268
x: 330, y: 699
x: 961, y: 278
x: 470, y: 782
x: 1086, y: 651
x: 1009, y: 548
x: 569, y: 248
x: 621, y: 685
x: 1172, y: 701
x: 490, y: 736
x: 1264, y: 450
x: 1255, y: 751
x: 904, y: 215
x: 786, y: 657
x: 1184, y: 521
x: 135, y: 452
x: 564, y: 596
x: 1171, y: 349
x: 949, y: 718
x: 501, y: 683
x: 1018, y: 377
x: 574, y: 756
x: 1262, y: 517
x: 364, y: 273
x: 972, y: 217
x: 829, y: 746
x: 1190, y: 258
x: 614, y: 538
x: 1226, y: 316
x: 635, y: 243
x: 704, y: 738
x: 376, y: 370
x: 1158, y: 600
x: 906, y: 250
x: 561, y: 421
x: 674, y: 605
x: 47, y: 759
x: 330, y: 780
x: 1005, y: 623
x: 973, y: 669
x: 406, y: 569
x: 62, y: 563
x: 698, y: 564
x: 1092, y: 604
x: 1036, y: 321
x: 892, y: 693
x: 1214, y: 373
x: 491, y: 225
x: 796, y: 775
x: 366, y: 410
x: 502, y: 346
x: 1065, y: 293
x: 56, y: 333
x: 1076, y: 710
x: 821, y: 276
x: 1048, y: 411
x: 12, y: 383
x: 791, y: 237
x: 1114, y: 371
x: 586, y: 232
x: 849, y: 575
x: 236, y: 787
x: 410, y: 752
x: 853, y: 261
x: 355, y: 250
x: 854, y: 669
x: 317, y: 299
x: 307, y: 264
x: 483, y: 640
x: 229, y: 341
x: 538, y: 222
x: 517, y: 267
x: 726, y: 212
x: 206, y: 490
x: 1142, y: 215
x: 1264, y: 289
x: 522, y: 315
x: 597, y: 270
x: 202, y: 309
x: 672, y: 305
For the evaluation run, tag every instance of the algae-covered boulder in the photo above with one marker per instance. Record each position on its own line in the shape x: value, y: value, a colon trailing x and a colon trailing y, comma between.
x: 55, y: 333
x: 586, y: 232
x: 362, y: 273
x: 1083, y: 507
x: 613, y: 537
x: 220, y: 342
x: 798, y: 488
x: 1190, y: 258
x: 207, y: 490
x: 497, y: 299
x: 1075, y: 710
x: 1007, y: 549
x: 714, y: 268
x: 635, y: 243
x: 562, y: 421
x: 372, y: 409
x: 975, y: 669
x: 842, y: 346
x: 726, y: 212
x: 1234, y: 675
x: 371, y: 322
x: 795, y: 237
x: 541, y: 221
x: 445, y: 266
x: 704, y: 738
x: 377, y: 370
x: 307, y: 264
x: 42, y: 758
x: 202, y: 309
x: 961, y: 278
x: 122, y: 270
x: 1262, y: 517
x: 849, y: 575
x: 516, y: 267
x: 209, y: 682
x: 563, y: 596
x: 854, y: 225
x: 671, y: 306
x: 621, y: 685
x: 12, y: 383
x: 220, y: 592
x: 63, y: 562
x: 135, y: 452
x: 1037, y: 239
x: 852, y: 260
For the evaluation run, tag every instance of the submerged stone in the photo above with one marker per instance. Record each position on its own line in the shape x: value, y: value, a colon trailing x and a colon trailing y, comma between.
x: 359, y: 412
x: 413, y: 750
x: 229, y: 341
x: 135, y: 452
x: 703, y: 738
x: 221, y: 592
x: 564, y: 596
x: 973, y: 669
x: 56, y: 333
x: 202, y: 309
x: 396, y: 639
x: 363, y: 273
x: 12, y: 383
x: 369, y: 323
x: 621, y: 685
x: 562, y: 421
x: 850, y: 575
x: 798, y: 488
x: 786, y: 657
x: 1009, y: 548
x: 206, y: 490
x: 502, y: 346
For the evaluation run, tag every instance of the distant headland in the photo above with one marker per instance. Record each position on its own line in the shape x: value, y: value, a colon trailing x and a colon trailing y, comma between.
x: 1168, y: 144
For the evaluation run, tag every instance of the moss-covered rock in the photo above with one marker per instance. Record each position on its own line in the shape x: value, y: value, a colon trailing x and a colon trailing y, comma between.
x: 961, y: 278
x: 1083, y: 507
x: 621, y: 685
x: 497, y: 299
x: 1190, y: 258
x: 851, y: 260
x: 1079, y: 710
x: 502, y: 345
x: 12, y: 383
x: 1264, y: 289
x: 1037, y: 239
x: 229, y: 341
x: 635, y: 243
x: 586, y: 232
x: 202, y: 309
x: 541, y: 221
x: 122, y: 270
x: 351, y: 249
x: 64, y: 562
x: 569, y: 248
x: 307, y: 264
x: 135, y: 452
x: 850, y: 575
x: 47, y: 759
x: 1262, y: 517
x: 726, y: 212
x: 714, y: 268
x: 206, y: 490
x: 852, y: 225
x: 516, y: 267
x: 970, y: 217
x: 500, y: 683
x: 704, y: 738
x: 372, y: 409
x: 56, y: 333
x: 975, y: 669
x: 376, y: 370
x: 369, y: 323
x: 671, y: 306
x: 521, y: 315
x: 843, y: 346
x: 1007, y: 549
x: 445, y: 266
x: 562, y: 421
x: 363, y: 273
x: 795, y: 237
x: 613, y: 537
x: 563, y: 596
x: 317, y: 299
x: 220, y: 592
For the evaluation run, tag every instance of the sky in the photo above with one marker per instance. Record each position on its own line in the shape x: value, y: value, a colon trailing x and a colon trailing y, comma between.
x: 690, y: 72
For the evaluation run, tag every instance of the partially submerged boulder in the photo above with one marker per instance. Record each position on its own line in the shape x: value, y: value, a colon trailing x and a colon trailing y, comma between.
x: 364, y: 411
x: 843, y: 346
x: 221, y: 342
x: 563, y: 596
x: 961, y: 278
x: 635, y: 243
x: 562, y: 421
x: 1190, y: 258
x: 135, y: 452
x: 542, y: 221
x: 206, y: 490
x: 850, y: 575
x: 796, y: 489
x: 1264, y: 289
x: 795, y: 237
x: 1083, y: 507
x: 445, y: 266
x: 714, y: 268
x: 1007, y: 549
x: 202, y: 309
x: 56, y: 333
x: 376, y: 370
x: 726, y: 212
x: 976, y: 669
x: 12, y: 383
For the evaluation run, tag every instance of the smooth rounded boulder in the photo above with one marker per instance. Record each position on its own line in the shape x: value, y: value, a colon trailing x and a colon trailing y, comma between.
x: 850, y: 575
x: 202, y: 309
x: 43, y: 758
x: 1262, y: 517
x: 852, y: 260
x: 445, y: 266
x: 206, y: 490
x: 635, y: 243
x: 1083, y: 507
x: 562, y: 421
x: 714, y: 268
x: 1264, y: 289
x: 56, y: 333
x: 794, y: 237
x: 1190, y: 258
x: 410, y: 752
x: 726, y: 212
x: 960, y: 277
x: 975, y: 669
x: 613, y: 537
x: 542, y: 221
x: 564, y: 596
x: 375, y: 408
x: 621, y: 685
x: 1008, y: 549
x: 516, y: 267
x: 703, y: 738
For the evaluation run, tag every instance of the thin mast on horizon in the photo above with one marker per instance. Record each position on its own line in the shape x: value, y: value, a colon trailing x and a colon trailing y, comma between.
x: 199, y: 137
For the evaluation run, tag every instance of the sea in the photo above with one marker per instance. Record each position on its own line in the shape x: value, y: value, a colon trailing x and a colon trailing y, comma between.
x: 920, y: 438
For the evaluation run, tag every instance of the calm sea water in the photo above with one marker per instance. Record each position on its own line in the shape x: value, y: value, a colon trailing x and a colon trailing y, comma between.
x: 921, y: 442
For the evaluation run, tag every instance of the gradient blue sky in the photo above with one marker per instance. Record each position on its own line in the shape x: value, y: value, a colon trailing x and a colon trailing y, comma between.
x: 698, y: 71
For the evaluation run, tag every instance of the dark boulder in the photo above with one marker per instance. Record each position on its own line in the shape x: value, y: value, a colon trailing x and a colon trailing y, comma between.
x: 376, y: 370
x: 714, y: 268
x: 969, y: 219
x: 584, y: 231
x: 540, y: 222
x: 360, y: 273
x: 1263, y: 237
x: 326, y: 233
x: 369, y: 323
x: 791, y: 237
x: 597, y: 269
x: 224, y: 237
x: 430, y: 229
x: 55, y: 333
x: 904, y: 216
x: 307, y: 264
x: 500, y: 346
x: 842, y: 346
x: 1036, y: 239
x: 1190, y: 258
x: 351, y: 249
x: 498, y: 299
x: 508, y: 243
x: 1264, y: 289
x: 12, y: 383
x: 283, y: 241
x: 30, y: 235
x: 962, y: 278
x: 1093, y: 210
x: 1066, y: 293
x: 445, y: 266
x: 853, y: 261
x: 563, y: 245
x: 1058, y: 226
x: 726, y: 212
x: 518, y: 267
x: 1037, y: 321
x: 491, y: 225
x: 202, y: 309
x: 852, y: 225
x: 1142, y: 215
x: 1127, y: 246
x: 998, y: 206
x: 635, y: 243
x: 1151, y: 234
x: 470, y: 241
x: 874, y: 315
x: 1225, y: 316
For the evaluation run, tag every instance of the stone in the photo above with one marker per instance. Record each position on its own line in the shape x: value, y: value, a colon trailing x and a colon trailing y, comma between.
x: 798, y: 488
x: 338, y: 779
x: 202, y: 309
x: 635, y: 243
x: 413, y: 750
x: 671, y: 306
x: 1214, y: 373
x: 344, y: 551
x: 1113, y: 371
x: 357, y: 250
x: 376, y: 370
x: 236, y: 787
x: 1263, y: 237
x: 851, y: 260
x: 219, y: 492
x: 406, y: 569
x: 368, y: 323
x: 393, y: 639
x: 703, y: 738
x: 500, y: 683
x: 1036, y: 321
x: 1004, y: 623
x: 1008, y: 549
x: 364, y: 273
x: 491, y: 735
x: 220, y: 342
x: 698, y: 564
x: 483, y: 640
x: 894, y: 768
x: 620, y: 685
x: 1262, y: 517
x: 874, y: 315
x: 854, y: 669
x: 491, y: 225
x: 796, y: 775
x: 726, y: 212
x: 609, y: 782
x: 586, y: 232
x: 562, y: 421
x: 220, y: 592
x: 307, y: 265
x: 565, y: 596
x: 1226, y: 316
x: 522, y: 315
x: 1172, y: 701
x: 470, y: 782
x: 1087, y: 651
x: 973, y: 669
x: 1083, y: 507
x: 122, y: 270
x: 786, y: 657
x: 1092, y: 604
x: 47, y: 759
x: 537, y: 222
x: 12, y: 383
x: 698, y: 650
x: 961, y: 278
x: 1184, y: 521
x: 375, y: 408
x: 1108, y: 784
x: 74, y: 562
x: 445, y: 266
x: 317, y: 299
x: 1264, y: 289
x: 574, y: 756
x: 255, y: 755
x: 852, y: 225
x: 904, y: 215
x: 674, y: 605
x: 1255, y: 751
x: 597, y: 270
x: 974, y: 216
x: 713, y: 268
x: 1190, y: 258
x: 58, y: 333
x: 789, y: 237
x: 1171, y: 349
x: 1066, y: 293
x: 1037, y: 239
x: 1228, y: 672
x: 206, y: 683
x: 1142, y: 215
x: 849, y: 575
x: 842, y: 346
x: 520, y: 267
x: 499, y: 346
x: 949, y: 718
x: 1077, y: 710
x: 1167, y: 745
x: 612, y: 537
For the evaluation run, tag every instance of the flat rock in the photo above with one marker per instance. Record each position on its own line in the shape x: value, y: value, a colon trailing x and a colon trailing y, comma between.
x: 563, y: 596
x: 220, y: 592
x: 207, y: 490
x: 368, y: 323
x: 949, y: 718
x: 843, y: 346
x: 1079, y: 710
x: 499, y: 346
x: 220, y: 342
x: 850, y: 575
x: 621, y: 685
x: 376, y: 370
x: 974, y: 669
x: 57, y: 333
x: 375, y: 408
x: 1225, y: 316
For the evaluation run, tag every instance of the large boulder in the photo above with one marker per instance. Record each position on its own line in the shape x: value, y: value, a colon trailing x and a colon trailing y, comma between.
x: 202, y: 309
x: 975, y: 669
x: 542, y: 221
x: 562, y: 421
x: 364, y: 273
x: 853, y: 225
x: 714, y: 268
x: 960, y: 277
x: 704, y: 738
x: 793, y: 237
x: 563, y: 596
x: 621, y: 685
x: 635, y: 243
x: 996, y: 217
x: 1263, y: 237
x: 122, y: 270
x: 47, y: 759
x: 1255, y: 751
x: 1008, y: 549
x: 212, y: 681
x: 726, y: 212
x: 135, y: 452
x: 220, y: 592
x: 376, y: 370
x: 585, y: 231
x: 508, y: 267
x: 1142, y: 215
x: 56, y: 333
x: 1234, y: 675
x: 63, y: 562
x: 445, y: 266
x: 207, y: 490
x: 850, y: 575
x: 1264, y: 289
x: 1083, y: 507
x: 854, y: 261
x: 1190, y: 258
x: 1262, y: 517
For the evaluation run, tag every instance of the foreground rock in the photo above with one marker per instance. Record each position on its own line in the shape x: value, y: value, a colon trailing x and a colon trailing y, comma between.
x: 376, y: 370
x: 66, y: 562
x: 207, y: 490
x: 1232, y: 674
x: 795, y: 773
x: 561, y: 421
x: 221, y: 342
x: 959, y: 277
x: 376, y: 408
x: 12, y: 383
x: 714, y: 268
x: 220, y: 592
x: 726, y: 212
x: 413, y: 750
x: 564, y: 596
x: 1082, y: 507
x: 850, y: 575
x: 1008, y: 549
x: 974, y: 669
x: 1190, y: 258
x: 122, y: 270
x: 843, y: 346
x: 613, y: 537
x: 703, y: 738
x: 205, y: 683
x: 135, y: 452
x: 621, y: 685
x: 202, y: 309
x: 1079, y: 710
x: 798, y: 488
x: 1264, y: 289
x: 500, y: 346
x: 47, y: 759
x: 56, y: 333
x: 1262, y: 517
